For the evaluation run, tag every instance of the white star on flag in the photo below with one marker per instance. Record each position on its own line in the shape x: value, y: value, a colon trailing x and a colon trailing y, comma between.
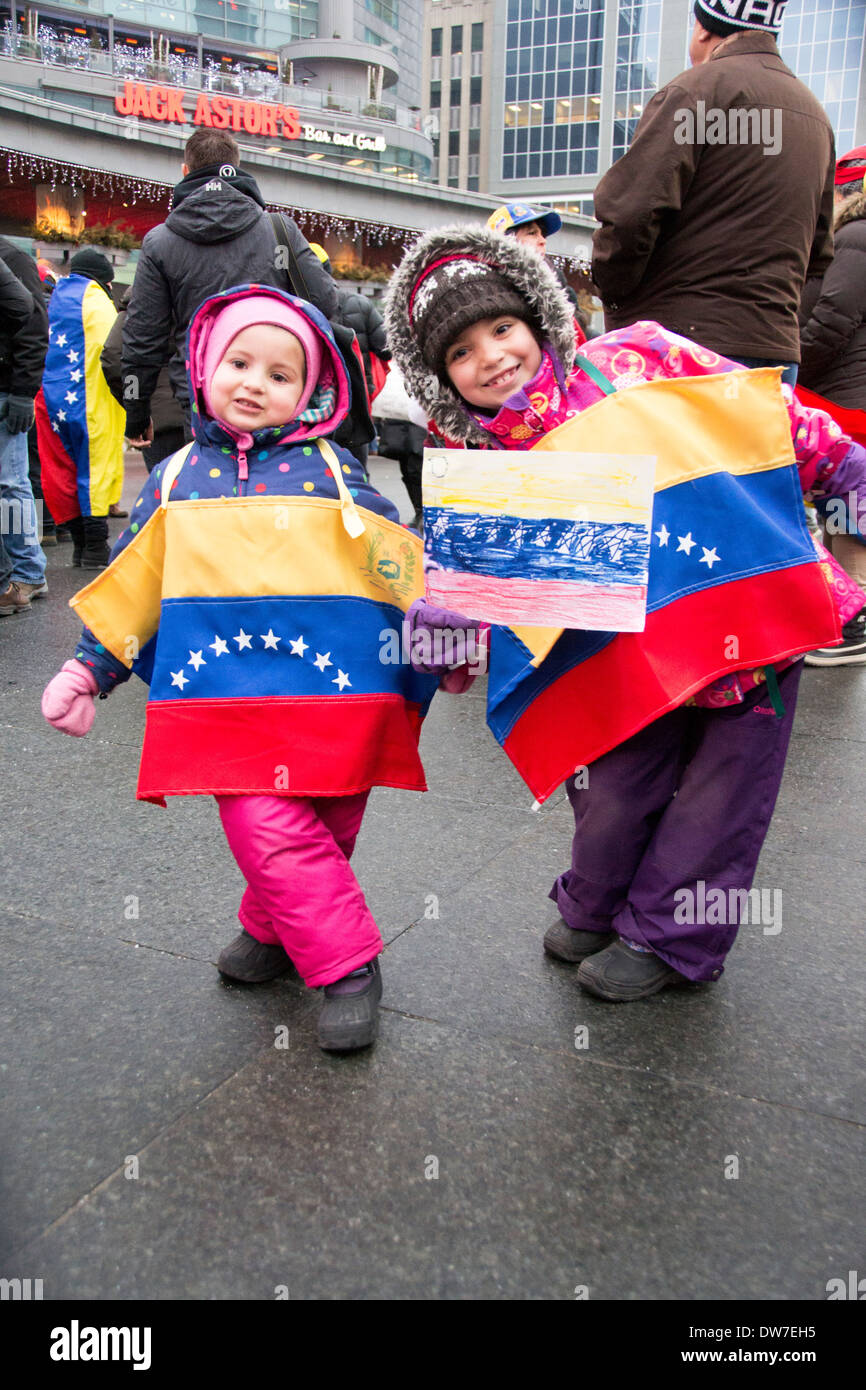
x: 72, y: 355
x: 686, y: 543
x: 218, y: 647
x: 196, y: 659
x: 709, y: 557
x: 71, y: 396
x: 341, y: 679
x: 664, y: 535
x: 179, y: 679
x: 323, y: 661
x: 298, y: 647
x: 55, y: 426
x: 61, y: 340
x: 243, y: 639
x: 269, y: 639
x: 75, y: 376
x: 61, y: 414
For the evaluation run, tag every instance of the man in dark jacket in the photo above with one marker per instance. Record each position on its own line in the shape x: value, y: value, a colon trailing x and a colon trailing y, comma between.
x: 724, y: 201
x: 23, y: 344
x: 217, y: 234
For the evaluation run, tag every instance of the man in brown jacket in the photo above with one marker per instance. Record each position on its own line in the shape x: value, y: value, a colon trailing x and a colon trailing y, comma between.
x: 724, y: 201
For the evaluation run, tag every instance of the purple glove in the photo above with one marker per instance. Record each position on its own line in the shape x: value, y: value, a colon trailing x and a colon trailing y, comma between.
x: 440, y: 641
x: 69, y: 700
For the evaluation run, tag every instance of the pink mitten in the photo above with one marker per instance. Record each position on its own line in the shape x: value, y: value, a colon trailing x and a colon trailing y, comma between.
x: 69, y: 700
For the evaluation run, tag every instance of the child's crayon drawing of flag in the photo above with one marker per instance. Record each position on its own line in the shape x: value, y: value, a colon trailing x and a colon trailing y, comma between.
x: 539, y: 539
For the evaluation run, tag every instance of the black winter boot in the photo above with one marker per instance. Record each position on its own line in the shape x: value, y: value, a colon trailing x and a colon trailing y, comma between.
x: 350, y: 1013
x: 622, y: 973
x: 563, y: 942
x: 251, y: 961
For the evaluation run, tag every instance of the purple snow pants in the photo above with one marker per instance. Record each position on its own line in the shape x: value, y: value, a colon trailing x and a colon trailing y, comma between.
x: 687, y: 799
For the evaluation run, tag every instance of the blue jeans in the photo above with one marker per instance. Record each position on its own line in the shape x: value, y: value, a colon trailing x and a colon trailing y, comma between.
x: 21, y: 555
x: 789, y: 375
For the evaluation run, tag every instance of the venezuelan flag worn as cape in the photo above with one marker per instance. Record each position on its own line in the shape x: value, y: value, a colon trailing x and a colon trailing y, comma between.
x: 79, y: 423
x: 267, y: 671
x: 734, y: 578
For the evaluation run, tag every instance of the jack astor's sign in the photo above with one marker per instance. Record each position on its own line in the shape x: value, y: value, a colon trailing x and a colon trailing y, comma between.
x: 232, y: 113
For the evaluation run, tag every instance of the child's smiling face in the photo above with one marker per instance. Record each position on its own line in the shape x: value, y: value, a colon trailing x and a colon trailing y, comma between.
x: 260, y: 378
x: 492, y: 359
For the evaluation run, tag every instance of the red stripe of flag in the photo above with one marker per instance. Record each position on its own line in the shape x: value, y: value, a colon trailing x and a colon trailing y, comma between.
x: 635, y: 679
x: 540, y: 602
x: 302, y: 746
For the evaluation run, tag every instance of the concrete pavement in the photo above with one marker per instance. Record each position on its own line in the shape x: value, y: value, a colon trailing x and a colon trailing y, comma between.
x: 508, y: 1136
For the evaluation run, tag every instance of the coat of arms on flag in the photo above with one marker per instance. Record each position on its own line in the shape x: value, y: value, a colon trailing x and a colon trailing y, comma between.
x: 554, y: 539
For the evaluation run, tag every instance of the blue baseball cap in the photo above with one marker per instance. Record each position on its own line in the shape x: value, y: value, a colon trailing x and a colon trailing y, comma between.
x: 512, y: 215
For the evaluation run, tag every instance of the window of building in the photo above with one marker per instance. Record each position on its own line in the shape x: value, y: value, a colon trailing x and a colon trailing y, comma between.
x: 637, y: 65
x: 456, y: 38
x: 454, y: 142
x: 384, y: 9
x: 472, y: 166
x: 474, y: 117
x: 456, y: 64
x: 475, y: 90
x: 453, y: 167
x: 456, y: 93
x: 436, y: 43
x: 474, y: 142
x: 823, y: 41
x: 476, y: 64
x: 472, y: 185
x: 477, y: 38
x: 553, y: 85
x: 436, y: 68
x: 435, y: 95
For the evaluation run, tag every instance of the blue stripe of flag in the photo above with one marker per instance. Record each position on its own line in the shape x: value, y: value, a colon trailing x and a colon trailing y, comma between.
x: 351, y: 636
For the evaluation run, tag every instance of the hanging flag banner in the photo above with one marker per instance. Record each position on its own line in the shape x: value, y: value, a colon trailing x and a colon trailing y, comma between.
x: 539, y: 539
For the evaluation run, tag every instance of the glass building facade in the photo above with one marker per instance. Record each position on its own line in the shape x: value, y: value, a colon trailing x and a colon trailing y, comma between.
x: 822, y: 41
x: 266, y: 22
x: 553, y: 83
x: 637, y: 67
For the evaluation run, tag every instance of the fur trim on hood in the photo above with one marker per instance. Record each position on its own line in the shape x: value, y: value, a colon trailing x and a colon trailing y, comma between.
x: 530, y: 276
x: 850, y: 211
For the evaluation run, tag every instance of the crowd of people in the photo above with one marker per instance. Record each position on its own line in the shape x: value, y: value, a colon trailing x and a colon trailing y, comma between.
x: 246, y: 377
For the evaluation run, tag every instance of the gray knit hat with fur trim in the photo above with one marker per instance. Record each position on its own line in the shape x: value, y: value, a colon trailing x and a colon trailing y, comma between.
x: 505, y: 269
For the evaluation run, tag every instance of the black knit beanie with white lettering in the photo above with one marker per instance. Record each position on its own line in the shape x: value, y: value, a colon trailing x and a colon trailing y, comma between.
x: 726, y: 17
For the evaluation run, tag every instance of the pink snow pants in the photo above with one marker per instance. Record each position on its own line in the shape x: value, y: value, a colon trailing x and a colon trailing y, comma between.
x: 301, y: 892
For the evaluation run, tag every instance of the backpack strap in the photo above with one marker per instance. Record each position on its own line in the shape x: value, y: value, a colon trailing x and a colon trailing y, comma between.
x: 351, y: 519
x: 170, y: 471
x: 294, y: 274
x: 595, y: 374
